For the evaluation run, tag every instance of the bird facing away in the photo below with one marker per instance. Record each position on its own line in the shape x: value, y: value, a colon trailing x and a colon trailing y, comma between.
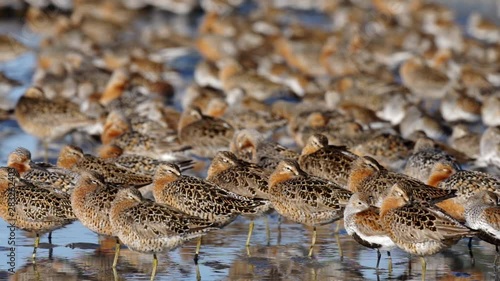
x: 306, y: 199
x: 238, y: 176
x: 251, y: 146
x: 148, y: 227
x: 390, y: 150
x: 326, y: 161
x: 206, y: 135
x: 241, y: 177
x: 31, y: 208
x: 72, y: 157
x: 137, y: 164
x: 44, y: 174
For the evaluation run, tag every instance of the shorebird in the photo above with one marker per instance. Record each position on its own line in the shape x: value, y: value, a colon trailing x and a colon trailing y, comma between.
x: 424, y: 80
x: 31, y: 208
x: 235, y: 78
x: 91, y: 202
x: 245, y: 114
x: 482, y: 213
x: 241, y: 177
x: 306, y: 199
x: 466, y: 184
x: 362, y: 222
x: 390, y: 150
x: 137, y: 164
x: 48, y: 119
x: 482, y: 28
x: 369, y: 177
x: 458, y: 106
x: 418, y: 227
x: 251, y: 146
x: 140, y: 135
x: 489, y: 147
x: 206, y: 135
x: 430, y: 164
x: 489, y: 111
x: 326, y: 161
x: 45, y: 174
x: 148, y: 227
x: 465, y: 141
x: 200, y: 198
x: 72, y: 157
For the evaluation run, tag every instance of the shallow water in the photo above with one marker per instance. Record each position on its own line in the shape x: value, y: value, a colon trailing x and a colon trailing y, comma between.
x: 79, y: 254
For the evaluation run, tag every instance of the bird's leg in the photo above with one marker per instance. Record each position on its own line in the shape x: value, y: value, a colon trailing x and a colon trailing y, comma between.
x: 424, y: 267
x: 117, y: 252
x: 197, y: 252
x: 155, y: 265
x: 313, y: 241
x: 471, y: 254
x: 250, y: 230
x: 37, y: 242
x: 268, y: 231
x: 341, y: 253
x: 378, y: 258
x: 390, y: 261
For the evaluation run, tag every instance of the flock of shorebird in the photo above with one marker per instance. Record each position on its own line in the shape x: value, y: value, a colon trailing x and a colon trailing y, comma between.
x: 308, y: 121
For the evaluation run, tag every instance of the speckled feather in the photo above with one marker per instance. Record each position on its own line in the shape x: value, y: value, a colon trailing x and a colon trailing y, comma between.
x: 238, y: 176
x: 59, y: 179
x: 73, y: 158
x: 205, y: 134
x: 249, y: 145
x: 421, y: 229
x: 201, y: 198
x: 91, y: 202
x: 467, y: 183
x: 36, y: 209
x: 326, y: 161
x: 150, y: 227
x: 145, y: 165
x: 303, y: 198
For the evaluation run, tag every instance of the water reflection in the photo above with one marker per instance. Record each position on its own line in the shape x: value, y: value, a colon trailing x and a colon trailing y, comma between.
x: 80, y: 254
x: 48, y: 269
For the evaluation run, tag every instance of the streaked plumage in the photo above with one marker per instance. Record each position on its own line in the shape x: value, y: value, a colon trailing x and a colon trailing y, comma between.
x: 306, y: 199
x: 148, y: 227
x: 32, y: 208
x: 44, y: 174
x: 326, y: 161
x: 72, y: 157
